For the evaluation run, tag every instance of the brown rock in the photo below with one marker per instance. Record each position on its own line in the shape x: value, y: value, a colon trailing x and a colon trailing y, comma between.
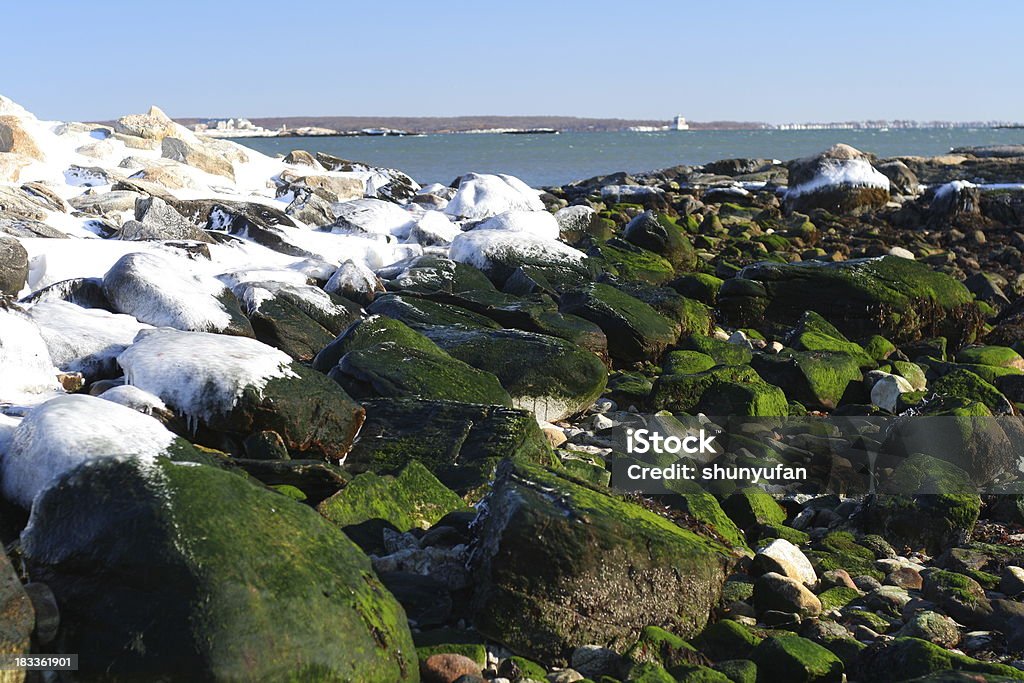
x: 905, y: 577
x: 447, y: 668
x: 14, y: 138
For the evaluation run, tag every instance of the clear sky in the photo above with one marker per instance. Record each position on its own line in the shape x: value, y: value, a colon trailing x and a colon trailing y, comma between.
x: 776, y: 61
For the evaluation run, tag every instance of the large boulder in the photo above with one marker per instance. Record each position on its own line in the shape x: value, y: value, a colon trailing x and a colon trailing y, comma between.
x: 153, y: 125
x: 66, y: 431
x: 840, y: 180
x: 723, y: 390
x: 459, y: 442
x: 381, y: 357
x: 155, y: 219
x: 558, y: 565
x: 550, y: 377
x: 239, y: 386
x: 85, y: 340
x: 15, y: 138
x: 660, y: 234
x: 176, y: 572
x: 165, y: 291
x: 197, y: 155
x: 481, y: 195
x: 373, y: 217
x: 635, y: 331
x: 898, y: 298
x: 298, y: 319
x: 499, y: 253
x: 27, y: 373
x: 13, y: 265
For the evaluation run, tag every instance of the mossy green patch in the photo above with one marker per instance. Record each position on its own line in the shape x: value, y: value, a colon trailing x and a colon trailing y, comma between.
x: 414, y: 499
x: 837, y: 597
x: 723, y: 390
x: 724, y: 353
x: 727, y: 639
x: 686, y: 362
x: 792, y: 658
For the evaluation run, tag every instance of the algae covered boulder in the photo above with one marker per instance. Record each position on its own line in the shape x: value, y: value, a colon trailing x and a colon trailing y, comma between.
x: 905, y: 658
x: 382, y: 357
x: 900, y: 299
x: 550, y: 377
x: 723, y: 390
x: 792, y: 658
x: 660, y: 234
x: 927, y: 503
x: 559, y: 565
x: 635, y: 330
x: 413, y: 499
x: 186, y: 572
x: 459, y: 442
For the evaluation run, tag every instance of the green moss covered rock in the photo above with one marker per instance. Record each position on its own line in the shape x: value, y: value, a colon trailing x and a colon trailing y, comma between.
x: 792, y: 658
x: 562, y: 565
x: 898, y: 298
x: 635, y: 331
x: 723, y: 390
x: 188, y: 572
x: 905, y: 658
x: 414, y: 499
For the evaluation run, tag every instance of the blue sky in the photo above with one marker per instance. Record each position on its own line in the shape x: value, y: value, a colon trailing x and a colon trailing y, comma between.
x: 767, y: 61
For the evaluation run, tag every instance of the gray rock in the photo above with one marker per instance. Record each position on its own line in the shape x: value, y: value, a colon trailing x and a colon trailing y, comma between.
x: 775, y: 592
x: 13, y: 265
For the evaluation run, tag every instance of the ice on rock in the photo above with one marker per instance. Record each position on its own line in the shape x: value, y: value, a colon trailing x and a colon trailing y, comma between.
x: 483, y: 195
x: 481, y: 248
x: 836, y: 172
x: 537, y: 223
x: 167, y: 292
x: 201, y: 374
x: 353, y: 277
x: 254, y: 294
x: 374, y: 216
x: 134, y: 398
x: 27, y: 373
x: 433, y: 228
x: 86, y: 340
x: 68, y: 430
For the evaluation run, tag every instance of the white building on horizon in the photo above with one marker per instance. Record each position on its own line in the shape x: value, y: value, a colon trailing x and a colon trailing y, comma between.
x: 679, y: 123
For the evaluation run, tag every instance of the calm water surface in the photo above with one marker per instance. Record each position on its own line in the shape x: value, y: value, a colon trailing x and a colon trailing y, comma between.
x: 543, y: 160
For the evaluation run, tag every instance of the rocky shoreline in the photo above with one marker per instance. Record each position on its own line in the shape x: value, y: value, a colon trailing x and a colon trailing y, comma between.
x: 303, y: 419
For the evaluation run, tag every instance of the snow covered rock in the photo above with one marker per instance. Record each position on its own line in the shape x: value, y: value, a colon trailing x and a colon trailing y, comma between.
x: 498, y: 252
x: 85, y: 340
x: 298, y: 319
x: 574, y: 222
x: 134, y: 398
x: 27, y: 374
x: 433, y: 228
x: 384, y: 183
x: 66, y: 431
x: 373, y: 216
x: 167, y: 292
x: 153, y: 125
x: 840, y: 180
x: 155, y: 219
x: 537, y: 223
x: 197, y: 155
x: 484, y: 195
x: 240, y: 386
x: 355, y: 282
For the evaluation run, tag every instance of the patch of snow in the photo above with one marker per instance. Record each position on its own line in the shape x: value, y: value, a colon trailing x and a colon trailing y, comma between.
x: 64, y: 432
x: 86, y: 340
x: 479, y: 247
x: 374, y: 216
x: 134, y: 398
x: 433, y: 228
x: 27, y: 373
x: 836, y: 172
x: 165, y: 291
x: 483, y: 195
x: 199, y: 374
x: 538, y: 223
x: 352, y: 277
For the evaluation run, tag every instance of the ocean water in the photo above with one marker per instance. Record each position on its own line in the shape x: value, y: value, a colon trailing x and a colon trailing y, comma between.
x: 544, y: 160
